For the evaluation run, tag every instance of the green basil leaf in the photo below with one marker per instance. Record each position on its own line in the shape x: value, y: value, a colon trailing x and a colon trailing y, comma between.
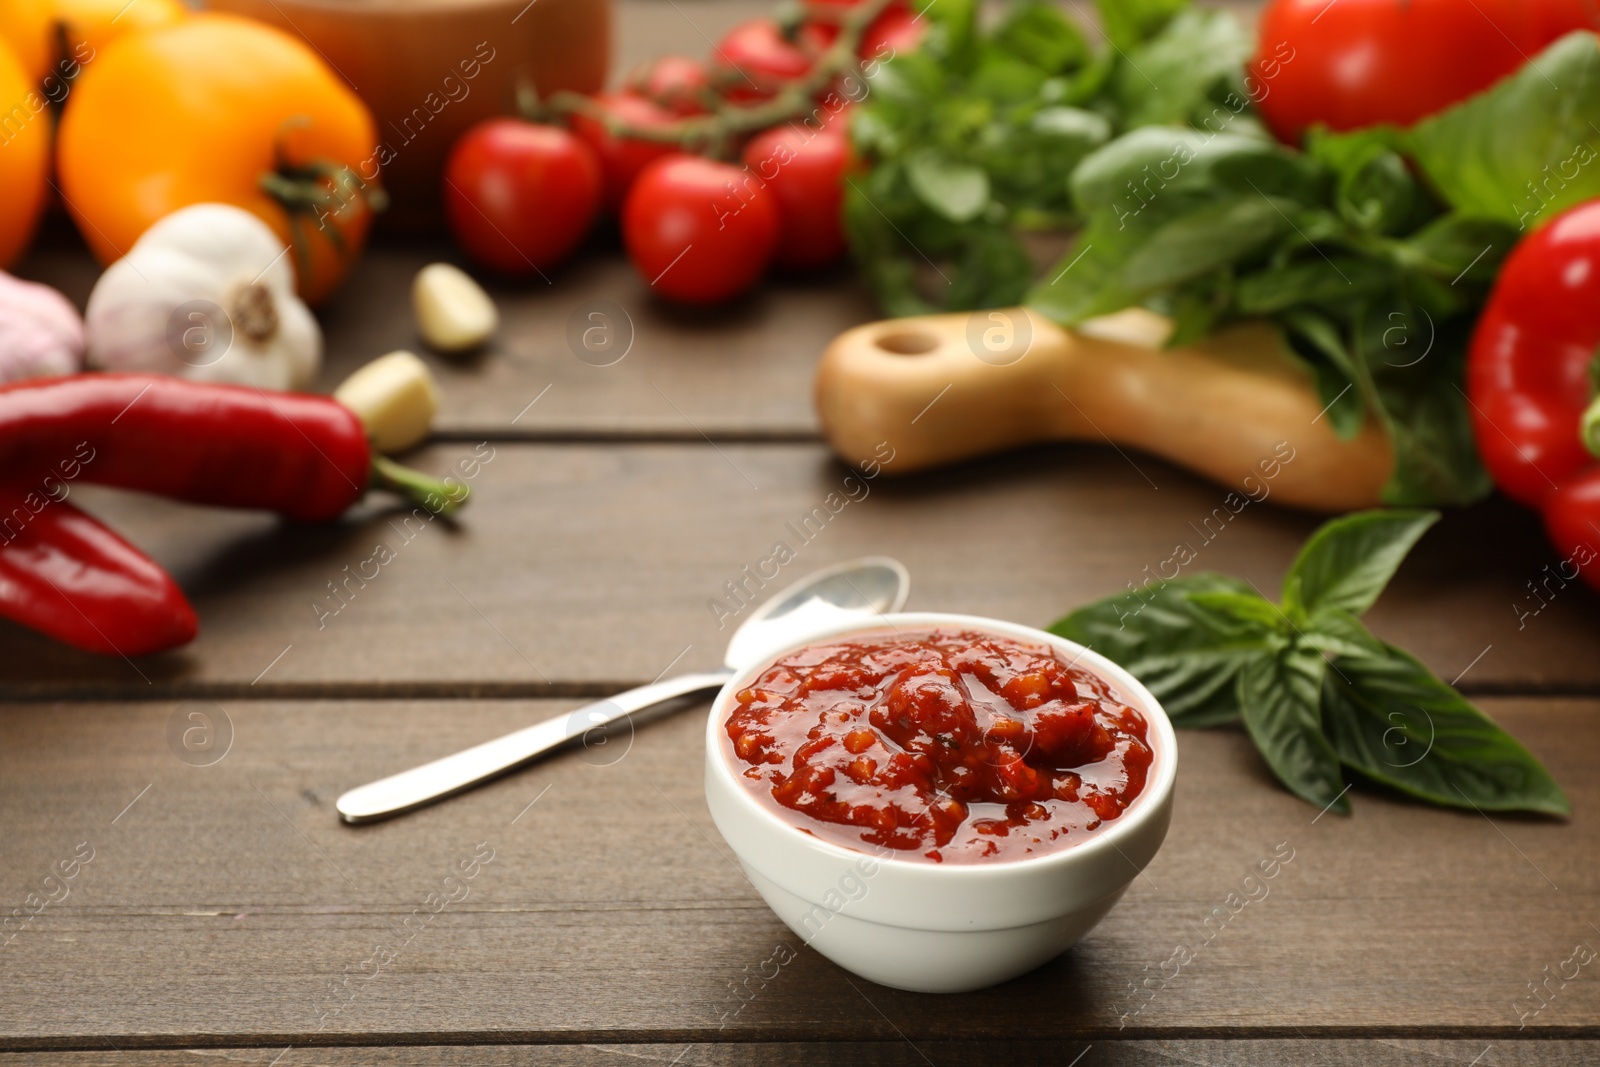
x: 1460, y: 248
x: 1337, y: 632
x: 1001, y: 78
x: 1249, y: 611
x: 1522, y: 150
x: 952, y: 38
x: 1204, y: 240
x: 1392, y: 720
x: 1083, y: 129
x: 1172, y: 76
x: 1195, y: 309
x: 1349, y: 560
x: 1172, y: 645
x: 1131, y: 189
x: 1087, y: 282
x: 1316, y: 340
x: 1311, y: 281
x: 1128, y: 22
x: 1044, y: 37
x: 1343, y: 405
x: 958, y: 191
x: 1160, y: 162
x: 1414, y: 362
x: 992, y: 269
x: 1280, y: 697
x: 1376, y: 190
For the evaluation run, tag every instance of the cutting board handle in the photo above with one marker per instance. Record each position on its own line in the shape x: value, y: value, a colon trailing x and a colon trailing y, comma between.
x: 1234, y: 407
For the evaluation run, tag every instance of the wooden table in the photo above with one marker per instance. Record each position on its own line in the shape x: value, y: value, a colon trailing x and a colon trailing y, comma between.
x: 226, y: 912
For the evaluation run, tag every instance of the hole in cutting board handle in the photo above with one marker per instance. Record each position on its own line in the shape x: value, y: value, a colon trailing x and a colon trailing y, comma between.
x: 908, y: 343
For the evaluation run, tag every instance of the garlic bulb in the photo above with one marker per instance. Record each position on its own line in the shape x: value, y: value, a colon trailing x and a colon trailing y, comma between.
x: 41, y: 334
x: 206, y: 293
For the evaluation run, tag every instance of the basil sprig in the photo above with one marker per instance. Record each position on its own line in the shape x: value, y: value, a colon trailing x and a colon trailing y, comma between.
x: 1316, y: 691
x: 969, y: 139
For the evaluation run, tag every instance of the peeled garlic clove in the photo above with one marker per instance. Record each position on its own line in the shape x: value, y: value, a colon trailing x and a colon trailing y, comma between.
x: 453, y: 312
x: 395, y: 397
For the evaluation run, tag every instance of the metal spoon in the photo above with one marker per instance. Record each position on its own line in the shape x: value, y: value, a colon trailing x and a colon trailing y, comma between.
x: 862, y: 587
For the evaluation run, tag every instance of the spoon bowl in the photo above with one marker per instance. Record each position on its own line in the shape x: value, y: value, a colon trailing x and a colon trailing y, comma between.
x: 857, y: 588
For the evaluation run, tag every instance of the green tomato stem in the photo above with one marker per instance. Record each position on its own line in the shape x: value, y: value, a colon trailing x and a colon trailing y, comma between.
x: 1589, y: 427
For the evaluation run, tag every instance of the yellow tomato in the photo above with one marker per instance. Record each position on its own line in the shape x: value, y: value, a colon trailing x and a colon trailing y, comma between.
x: 96, y: 23
x: 27, y: 26
x: 24, y: 156
x: 221, y: 109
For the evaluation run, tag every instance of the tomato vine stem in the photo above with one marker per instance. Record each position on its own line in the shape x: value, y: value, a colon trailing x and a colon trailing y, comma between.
x: 716, y: 133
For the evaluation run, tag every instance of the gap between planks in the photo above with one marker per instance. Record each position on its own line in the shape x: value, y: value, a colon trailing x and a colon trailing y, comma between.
x: 813, y: 1036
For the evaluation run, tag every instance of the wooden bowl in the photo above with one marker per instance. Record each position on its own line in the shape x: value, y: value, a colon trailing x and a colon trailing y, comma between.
x: 429, y: 69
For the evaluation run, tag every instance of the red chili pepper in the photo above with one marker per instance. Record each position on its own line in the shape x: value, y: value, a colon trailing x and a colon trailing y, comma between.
x: 64, y: 574
x: 305, y: 457
x: 1530, y: 381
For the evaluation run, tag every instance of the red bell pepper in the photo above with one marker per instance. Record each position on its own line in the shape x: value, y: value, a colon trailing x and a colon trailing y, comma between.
x: 61, y: 572
x: 1531, y: 378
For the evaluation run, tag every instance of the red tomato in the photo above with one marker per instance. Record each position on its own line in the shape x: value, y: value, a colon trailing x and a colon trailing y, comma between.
x: 676, y: 83
x: 519, y: 196
x: 621, y: 159
x: 897, y: 28
x: 1354, y: 63
x: 1556, y: 17
x: 697, y: 230
x: 804, y: 171
x: 895, y: 31
x: 755, y: 59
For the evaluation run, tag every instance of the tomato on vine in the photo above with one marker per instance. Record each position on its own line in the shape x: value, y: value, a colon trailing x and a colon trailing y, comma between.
x: 756, y: 60
x: 804, y: 170
x: 520, y: 196
x: 699, y: 231
x: 622, y: 158
x: 677, y: 83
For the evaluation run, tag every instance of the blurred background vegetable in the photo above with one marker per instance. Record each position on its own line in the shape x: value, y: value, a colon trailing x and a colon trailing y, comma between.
x: 1531, y: 380
x: 24, y: 158
x: 40, y: 331
x: 1365, y: 62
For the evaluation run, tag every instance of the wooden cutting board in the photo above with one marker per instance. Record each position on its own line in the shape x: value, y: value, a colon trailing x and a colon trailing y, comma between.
x: 1234, y: 407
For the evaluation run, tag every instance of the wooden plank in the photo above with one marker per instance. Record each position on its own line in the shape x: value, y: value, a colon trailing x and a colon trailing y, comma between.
x: 587, y: 567
x: 1114, y: 1053
x: 225, y: 904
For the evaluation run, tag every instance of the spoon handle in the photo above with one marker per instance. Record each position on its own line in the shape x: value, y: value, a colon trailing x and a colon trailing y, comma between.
x: 443, y: 777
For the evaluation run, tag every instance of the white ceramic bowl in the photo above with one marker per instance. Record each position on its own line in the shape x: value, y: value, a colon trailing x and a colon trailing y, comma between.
x: 941, y: 928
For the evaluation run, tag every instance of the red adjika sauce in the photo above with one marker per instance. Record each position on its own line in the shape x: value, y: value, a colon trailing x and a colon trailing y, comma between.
x: 943, y: 745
